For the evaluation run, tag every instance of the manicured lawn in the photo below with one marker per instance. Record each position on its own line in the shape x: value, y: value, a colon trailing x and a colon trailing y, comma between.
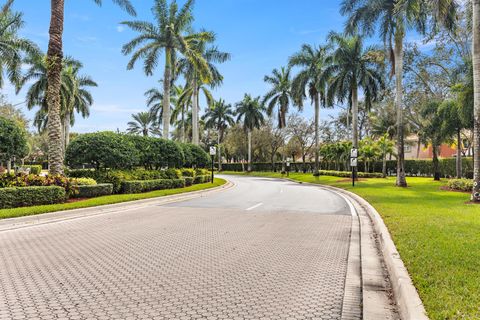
x: 437, y: 235
x: 117, y: 198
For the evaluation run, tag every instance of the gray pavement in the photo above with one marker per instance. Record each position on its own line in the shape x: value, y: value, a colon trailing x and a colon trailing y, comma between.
x: 264, y: 249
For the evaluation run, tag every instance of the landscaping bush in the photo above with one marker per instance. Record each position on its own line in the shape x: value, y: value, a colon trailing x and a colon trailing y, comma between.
x: 84, y: 181
x: 150, y: 185
x: 460, y: 185
x: 31, y: 196
x: 195, y: 156
x: 93, y: 191
x: 102, y: 150
x: 31, y: 180
x: 34, y: 169
x: 202, y: 179
x: 202, y: 172
x: 348, y: 174
x: 13, y: 140
x: 189, y: 181
x: 188, y: 173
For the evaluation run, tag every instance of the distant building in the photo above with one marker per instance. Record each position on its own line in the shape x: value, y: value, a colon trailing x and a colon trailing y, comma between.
x: 414, y: 150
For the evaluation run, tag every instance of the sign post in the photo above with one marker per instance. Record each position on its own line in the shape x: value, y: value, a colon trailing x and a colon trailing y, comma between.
x: 353, y: 163
x: 213, y: 151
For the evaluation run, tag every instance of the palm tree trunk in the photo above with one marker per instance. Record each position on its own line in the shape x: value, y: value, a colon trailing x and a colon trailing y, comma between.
x: 398, y: 54
x: 384, y: 165
x: 355, y: 116
x: 166, y: 93
x: 66, y: 128
x: 195, y: 133
x: 317, y: 140
x: 476, y: 101
x: 54, y: 58
x: 459, y: 154
x: 219, y: 151
x: 9, y: 165
x: 183, y: 125
x: 249, y: 150
x: 436, y: 168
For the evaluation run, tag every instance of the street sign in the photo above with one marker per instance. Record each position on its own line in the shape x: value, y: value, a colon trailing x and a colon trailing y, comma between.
x: 353, y: 153
x: 213, y: 151
x: 354, y: 162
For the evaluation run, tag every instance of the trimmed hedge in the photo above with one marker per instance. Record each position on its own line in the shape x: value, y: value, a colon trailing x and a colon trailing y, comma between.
x: 460, y: 184
x: 348, y: 174
x: 31, y: 196
x: 189, y: 181
x: 34, y: 169
x: 202, y: 179
x: 93, y: 191
x: 151, y: 185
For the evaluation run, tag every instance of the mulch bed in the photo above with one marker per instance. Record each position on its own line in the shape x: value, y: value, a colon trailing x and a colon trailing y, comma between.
x: 445, y: 188
x: 350, y: 180
x: 72, y: 200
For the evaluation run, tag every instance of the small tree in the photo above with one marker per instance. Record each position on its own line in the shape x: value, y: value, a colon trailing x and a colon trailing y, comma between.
x: 386, y: 147
x: 13, y: 142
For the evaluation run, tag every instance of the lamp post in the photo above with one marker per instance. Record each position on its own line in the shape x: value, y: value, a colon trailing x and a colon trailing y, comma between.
x: 213, y: 151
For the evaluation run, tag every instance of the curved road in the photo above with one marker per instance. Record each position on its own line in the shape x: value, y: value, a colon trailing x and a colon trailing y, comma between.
x: 264, y: 249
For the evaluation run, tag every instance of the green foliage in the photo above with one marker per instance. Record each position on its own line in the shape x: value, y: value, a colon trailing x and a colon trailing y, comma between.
x: 460, y: 184
x: 13, y: 140
x: 189, y: 181
x: 202, y: 179
x: 84, y: 181
x: 32, y: 180
x: 92, y: 191
x: 202, y: 172
x: 348, y: 174
x: 35, y: 169
x: 30, y: 196
x: 188, y: 173
x: 195, y: 157
x: 102, y: 150
x: 167, y: 154
x: 150, y: 185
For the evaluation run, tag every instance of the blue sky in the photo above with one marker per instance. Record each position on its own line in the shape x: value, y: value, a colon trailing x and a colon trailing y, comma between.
x: 260, y: 35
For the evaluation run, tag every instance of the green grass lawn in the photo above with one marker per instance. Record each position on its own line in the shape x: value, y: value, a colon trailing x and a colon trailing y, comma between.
x: 117, y: 198
x: 437, y: 234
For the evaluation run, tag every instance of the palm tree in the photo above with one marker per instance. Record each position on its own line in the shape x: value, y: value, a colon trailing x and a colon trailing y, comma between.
x: 219, y: 117
x: 352, y: 68
x: 386, y: 147
x: 394, y: 17
x: 250, y: 111
x: 55, y: 59
x: 311, y: 81
x: 143, y: 123
x: 168, y: 35
x: 12, y: 47
x: 194, y: 77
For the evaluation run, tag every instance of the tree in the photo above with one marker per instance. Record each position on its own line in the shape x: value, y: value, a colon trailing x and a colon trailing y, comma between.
x: 195, y: 79
x: 452, y: 123
x: 353, y: 67
x: 476, y: 100
x: 394, y: 18
x: 312, y: 81
x: 302, y: 132
x: 11, y: 112
x: 168, y: 35
x: 385, y: 144
x: 12, y: 47
x: 250, y: 111
x: 54, y: 76
x: 219, y: 117
x: 143, y: 123
x: 13, y: 141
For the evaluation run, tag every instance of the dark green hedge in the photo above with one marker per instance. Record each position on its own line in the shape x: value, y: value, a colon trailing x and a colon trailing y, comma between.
x: 202, y: 179
x: 31, y: 196
x: 189, y: 181
x: 93, y: 191
x: 348, y: 174
x: 150, y: 185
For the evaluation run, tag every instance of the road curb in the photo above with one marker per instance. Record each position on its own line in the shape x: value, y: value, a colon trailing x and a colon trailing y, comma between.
x: 65, y: 215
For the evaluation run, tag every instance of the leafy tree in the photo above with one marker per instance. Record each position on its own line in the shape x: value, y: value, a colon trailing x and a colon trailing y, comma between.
x: 143, y: 123
x: 102, y: 150
x: 54, y: 75
x: 168, y: 35
x: 250, y: 112
x: 452, y: 123
x: 195, y: 156
x: 369, y: 152
x: 219, y: 117
x: 393, y: 18
x: 311, y: 81
x: 302, y: 132
x: 13, y: 141
x: 386, y: 145
x: 9, y: 111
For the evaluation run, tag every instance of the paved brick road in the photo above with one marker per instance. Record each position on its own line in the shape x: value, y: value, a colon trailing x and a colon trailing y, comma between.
x: 233, y: 255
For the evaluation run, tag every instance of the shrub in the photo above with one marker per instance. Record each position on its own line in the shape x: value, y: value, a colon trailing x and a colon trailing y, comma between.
x: 188, y: 181
x: 35, y: 169
x: 348, y: 174
x: 102, y: 150
x: 31, y: 196
x: 202, y: 172
x: 92, y: 191
x: 84, y: 181
x: 195, y: 157
x: 167, y: 154
x: 202, y: 179
x: 460, y: 184
x: 13, y: 140
x: 150, y: 185
x: 188, y: 173
x: 32, y: 180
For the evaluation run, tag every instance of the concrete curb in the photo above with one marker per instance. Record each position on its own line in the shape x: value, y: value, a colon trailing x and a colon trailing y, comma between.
x: 410, y: 305
x: 57, y: 216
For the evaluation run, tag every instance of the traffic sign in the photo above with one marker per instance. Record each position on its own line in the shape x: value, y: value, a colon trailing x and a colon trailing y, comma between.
x: 213, y: 151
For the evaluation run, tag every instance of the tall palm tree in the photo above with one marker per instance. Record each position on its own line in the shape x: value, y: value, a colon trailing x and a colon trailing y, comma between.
x: 55, y: 59
x: 143, y: 123
x: 394, y: 18
x: 280, y: 95
x: 168, y: 35
x: 12, y: 47
x: 353, y: 67
x: 250, y: 111
x: 194, y: 76
x: 219, y: 117
x: 476, y: 100
x: 311, y: 81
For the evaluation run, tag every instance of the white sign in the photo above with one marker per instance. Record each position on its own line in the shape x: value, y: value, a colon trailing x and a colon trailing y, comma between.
x: 354, y: 153
x: 354, y: 162
x: 213, y: 151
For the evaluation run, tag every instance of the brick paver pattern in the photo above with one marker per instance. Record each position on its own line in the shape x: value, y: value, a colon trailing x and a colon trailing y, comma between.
x: 177, y: 263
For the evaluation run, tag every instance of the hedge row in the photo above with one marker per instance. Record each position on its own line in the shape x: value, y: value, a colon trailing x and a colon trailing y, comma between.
x: 31, y: 196
x: 412, y: 167
x: 151, y: 185
x: 460, y: 184
x: 93, y: 191
x: 202, y: 179
x: 348, y: 174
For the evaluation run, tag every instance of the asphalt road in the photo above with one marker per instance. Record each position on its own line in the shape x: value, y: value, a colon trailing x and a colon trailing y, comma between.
x: 264, y: 249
